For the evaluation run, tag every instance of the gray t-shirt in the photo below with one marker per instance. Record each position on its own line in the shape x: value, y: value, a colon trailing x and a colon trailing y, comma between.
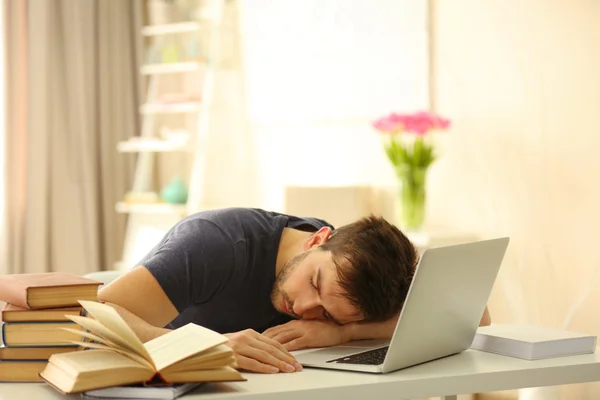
x: 218, y: 267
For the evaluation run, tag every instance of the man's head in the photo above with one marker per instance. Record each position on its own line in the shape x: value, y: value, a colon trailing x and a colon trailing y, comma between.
x: 361, y: 271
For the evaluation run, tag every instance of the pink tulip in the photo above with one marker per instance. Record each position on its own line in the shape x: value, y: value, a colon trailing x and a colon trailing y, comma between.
x: 418, y: 123
x: 388, y: 124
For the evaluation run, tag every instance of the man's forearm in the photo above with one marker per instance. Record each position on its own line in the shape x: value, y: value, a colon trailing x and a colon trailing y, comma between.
x: 142, y: 329
x: 370, y: 330
x: 385, y: 330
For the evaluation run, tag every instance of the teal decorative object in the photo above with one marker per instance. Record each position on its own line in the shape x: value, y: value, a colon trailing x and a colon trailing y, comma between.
x: 193, y: 50
x: 175, y: 192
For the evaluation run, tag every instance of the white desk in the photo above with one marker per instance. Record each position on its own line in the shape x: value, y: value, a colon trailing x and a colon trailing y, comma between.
x: 469, y: 372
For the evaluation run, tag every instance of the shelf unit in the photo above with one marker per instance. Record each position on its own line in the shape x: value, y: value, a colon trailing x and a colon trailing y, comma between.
x: 155, y: 145
x: 170, y: 108
x: 152, y: 208
x: 177, y: 27
x: 170, y: 68
x: 149, y: 217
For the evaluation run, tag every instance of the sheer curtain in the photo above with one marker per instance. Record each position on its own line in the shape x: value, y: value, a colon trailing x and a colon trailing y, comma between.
x: 73, y: 92
x: 14, y: 132
x: 2, y: 136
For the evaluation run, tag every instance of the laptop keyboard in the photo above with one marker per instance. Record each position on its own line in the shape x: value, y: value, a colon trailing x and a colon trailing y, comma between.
x: 371, y: 357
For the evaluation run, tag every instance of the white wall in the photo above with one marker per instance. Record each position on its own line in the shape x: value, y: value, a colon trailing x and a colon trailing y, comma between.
x: 520, y: 79
x: 317, y: 73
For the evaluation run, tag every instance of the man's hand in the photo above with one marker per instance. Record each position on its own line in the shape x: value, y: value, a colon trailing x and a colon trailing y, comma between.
x: 258, y: 353
x: 301, y: 334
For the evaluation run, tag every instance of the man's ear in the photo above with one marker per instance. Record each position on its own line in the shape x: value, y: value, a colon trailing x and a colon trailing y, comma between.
x: 318, y: 238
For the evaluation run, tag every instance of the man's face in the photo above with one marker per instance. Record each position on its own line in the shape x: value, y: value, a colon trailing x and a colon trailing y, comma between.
x: 307, y: 288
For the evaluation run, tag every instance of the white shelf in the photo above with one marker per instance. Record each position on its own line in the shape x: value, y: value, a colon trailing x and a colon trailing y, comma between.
x: 151, y: 208
x: 180, y: 27
x: 439, y: 237
x: 155, y: 145
x: 169, y: 68
x: 169, y: 108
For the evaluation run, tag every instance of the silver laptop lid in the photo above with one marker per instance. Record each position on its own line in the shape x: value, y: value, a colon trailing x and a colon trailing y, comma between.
x: 446, y: 300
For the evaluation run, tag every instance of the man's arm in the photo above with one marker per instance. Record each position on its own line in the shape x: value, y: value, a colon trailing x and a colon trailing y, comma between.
x: 142, y: 303
x: 143, y: 330
x: 370, y: 330
x: 301, y: 334
x: 385, y: 330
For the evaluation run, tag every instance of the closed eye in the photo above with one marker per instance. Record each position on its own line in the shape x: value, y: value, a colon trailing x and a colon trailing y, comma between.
x: 326, y: 315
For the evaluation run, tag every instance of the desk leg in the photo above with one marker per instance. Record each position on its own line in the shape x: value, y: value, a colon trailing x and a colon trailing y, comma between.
x: 453, y: 397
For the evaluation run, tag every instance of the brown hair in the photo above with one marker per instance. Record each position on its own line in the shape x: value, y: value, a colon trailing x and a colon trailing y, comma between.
x: 375, y: 263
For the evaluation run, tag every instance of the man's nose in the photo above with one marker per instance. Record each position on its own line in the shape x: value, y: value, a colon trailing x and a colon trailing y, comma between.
x: 307, y: 308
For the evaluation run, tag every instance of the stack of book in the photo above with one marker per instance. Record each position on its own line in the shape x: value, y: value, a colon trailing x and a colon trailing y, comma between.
x: 37, y: 310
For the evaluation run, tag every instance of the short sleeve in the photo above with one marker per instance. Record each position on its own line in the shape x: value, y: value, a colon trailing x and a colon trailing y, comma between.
x: 194, y: 262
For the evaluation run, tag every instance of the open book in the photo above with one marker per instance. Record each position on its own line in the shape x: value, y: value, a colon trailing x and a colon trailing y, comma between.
x: 117, y: 357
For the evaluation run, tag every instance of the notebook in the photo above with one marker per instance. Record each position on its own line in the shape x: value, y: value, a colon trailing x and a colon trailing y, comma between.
x: 141, y: 392
x: 532, y: 342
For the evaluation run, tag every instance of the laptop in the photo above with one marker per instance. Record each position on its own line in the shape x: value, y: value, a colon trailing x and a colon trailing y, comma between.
x: 444, y: 305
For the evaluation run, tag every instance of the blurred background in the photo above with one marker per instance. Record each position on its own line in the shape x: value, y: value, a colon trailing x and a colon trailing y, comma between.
x: 118, y: 118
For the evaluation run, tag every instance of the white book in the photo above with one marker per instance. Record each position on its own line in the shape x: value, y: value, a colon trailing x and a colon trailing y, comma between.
x: 532, y: 342
x: 141, y: 392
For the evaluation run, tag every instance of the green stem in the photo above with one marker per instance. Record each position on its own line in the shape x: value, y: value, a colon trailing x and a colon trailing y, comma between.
x: 412, y: 196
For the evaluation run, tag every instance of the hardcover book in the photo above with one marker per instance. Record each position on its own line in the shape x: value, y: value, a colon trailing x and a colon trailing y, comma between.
x: 47, y: 290
x: 117, y: 357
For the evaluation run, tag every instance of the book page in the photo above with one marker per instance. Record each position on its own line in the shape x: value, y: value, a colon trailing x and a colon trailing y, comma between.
x: 133, y: 356
x: 182, y: 343
x: 218, y: 356
x: 110, y: 318
x: 103, y: 332
x: 94, y: 361
x: 103, y: 341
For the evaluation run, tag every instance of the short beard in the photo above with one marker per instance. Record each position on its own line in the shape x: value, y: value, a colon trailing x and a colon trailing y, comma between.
x: 283, y: 276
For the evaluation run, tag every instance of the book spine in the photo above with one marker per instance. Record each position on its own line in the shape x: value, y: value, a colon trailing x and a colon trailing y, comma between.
x: 3, y: 336
x: 14, y: 293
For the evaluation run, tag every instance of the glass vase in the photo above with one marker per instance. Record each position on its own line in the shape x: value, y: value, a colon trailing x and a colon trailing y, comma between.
x: 411, y: 196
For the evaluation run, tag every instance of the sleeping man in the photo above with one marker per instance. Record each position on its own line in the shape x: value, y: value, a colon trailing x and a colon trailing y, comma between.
x: 270, y: 282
